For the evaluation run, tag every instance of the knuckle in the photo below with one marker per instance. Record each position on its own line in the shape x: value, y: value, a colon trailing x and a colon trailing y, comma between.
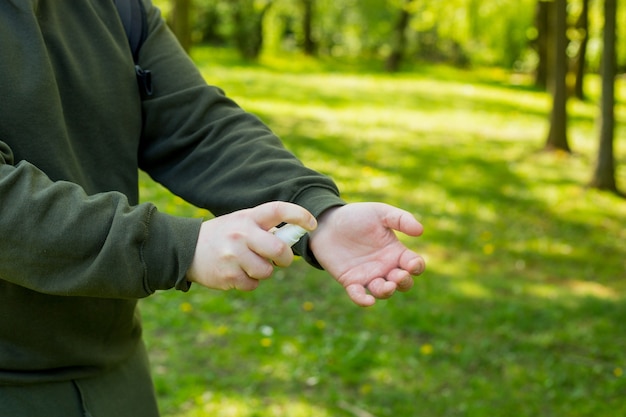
x: 236, y: 236
x: 273, y: 208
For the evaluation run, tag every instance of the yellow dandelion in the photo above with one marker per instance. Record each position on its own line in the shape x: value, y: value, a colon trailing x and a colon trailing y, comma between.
x: 426, y: 349
x: 488, y: 249
x: 308, y: 306
x: 618, y: 372
x: 320, y: 324
x: 186, y: 307
x: 266, y: 342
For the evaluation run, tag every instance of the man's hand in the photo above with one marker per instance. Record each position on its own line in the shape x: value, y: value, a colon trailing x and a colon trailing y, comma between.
x: 235, y: 251
x: 357, y: 245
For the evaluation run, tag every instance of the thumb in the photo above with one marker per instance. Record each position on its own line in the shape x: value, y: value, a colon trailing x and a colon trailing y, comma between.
x: 271, y: 214
x: 401, y: 220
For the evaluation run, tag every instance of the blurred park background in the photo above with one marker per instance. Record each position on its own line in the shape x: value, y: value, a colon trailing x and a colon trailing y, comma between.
x: 501, y: 125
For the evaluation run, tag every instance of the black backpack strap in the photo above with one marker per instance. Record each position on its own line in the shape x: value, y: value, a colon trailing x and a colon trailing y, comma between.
x: 133, y: 16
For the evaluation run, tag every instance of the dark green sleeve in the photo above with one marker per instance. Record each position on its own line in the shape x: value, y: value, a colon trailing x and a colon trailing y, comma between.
x: 205, y: 148
x: 58, y: 240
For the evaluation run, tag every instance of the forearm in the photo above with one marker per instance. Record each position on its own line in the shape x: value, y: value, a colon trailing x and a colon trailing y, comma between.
x: 58, y: 240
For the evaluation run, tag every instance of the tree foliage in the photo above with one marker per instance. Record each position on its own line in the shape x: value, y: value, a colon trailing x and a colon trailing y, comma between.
x: 516, y: 34
x: 463, y: 32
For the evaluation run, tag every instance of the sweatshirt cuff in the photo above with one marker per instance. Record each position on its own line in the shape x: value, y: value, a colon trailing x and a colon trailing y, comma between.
x: 316, y: 202
x: 168, y: 251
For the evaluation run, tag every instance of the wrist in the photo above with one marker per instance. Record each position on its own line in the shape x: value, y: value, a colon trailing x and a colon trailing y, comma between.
x: 304, y: 247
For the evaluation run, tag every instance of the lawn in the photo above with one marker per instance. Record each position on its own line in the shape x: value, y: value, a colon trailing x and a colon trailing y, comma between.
x: 521, y: 311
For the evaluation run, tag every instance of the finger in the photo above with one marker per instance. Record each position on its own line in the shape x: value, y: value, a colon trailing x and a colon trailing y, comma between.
x: 381, y: 288
x: 270, y: 248
x: 402, y: 279
x: 235, y: 278
x: 245, y: 283
x: 411, y: 262
x: 255, y: 266
x: 271, y: 214
x: 359, y: 296
x: 402, y: 221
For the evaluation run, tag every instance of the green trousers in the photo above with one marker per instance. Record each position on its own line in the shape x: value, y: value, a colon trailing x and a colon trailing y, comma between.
x: 125, y: 391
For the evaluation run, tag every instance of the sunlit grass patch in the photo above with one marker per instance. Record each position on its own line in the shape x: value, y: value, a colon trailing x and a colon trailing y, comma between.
x: 217, y: 404
x: 520, y: 311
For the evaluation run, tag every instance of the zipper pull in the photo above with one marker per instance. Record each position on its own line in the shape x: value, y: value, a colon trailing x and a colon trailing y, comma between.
x: 144, y: 79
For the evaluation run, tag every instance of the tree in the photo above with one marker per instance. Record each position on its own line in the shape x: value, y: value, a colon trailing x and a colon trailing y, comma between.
x: 582, y: 30
x: 248, y: 18
x: 557, y: 136
x: 308, y: 44
x: 399, y: 38
x: 604, y: 174
x: 179, y: 22
x: 540, y: 43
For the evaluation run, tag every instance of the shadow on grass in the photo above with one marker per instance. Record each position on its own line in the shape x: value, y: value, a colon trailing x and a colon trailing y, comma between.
x: 439, y: 348
x: 514, y: 317
x: 520, y: 311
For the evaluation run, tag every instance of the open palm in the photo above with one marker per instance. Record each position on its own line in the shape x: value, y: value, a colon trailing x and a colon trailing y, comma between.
x: 357, y: 245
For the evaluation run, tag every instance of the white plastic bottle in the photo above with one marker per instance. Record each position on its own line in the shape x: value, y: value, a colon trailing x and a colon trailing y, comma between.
x: 290, y: 233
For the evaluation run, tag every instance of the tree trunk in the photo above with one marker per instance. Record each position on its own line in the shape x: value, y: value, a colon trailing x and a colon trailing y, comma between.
x: 541, y: 43
x: 179, y: 22
x: 399, y: 39
x: 257, y: 30
x: 308, y: 45
x: 557, y: 137
x: 249, y: 27
x: 604, y: 175
x: 582, y: 26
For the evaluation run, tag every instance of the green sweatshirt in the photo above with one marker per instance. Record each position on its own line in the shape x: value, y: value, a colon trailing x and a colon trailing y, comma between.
x: 76, y: 249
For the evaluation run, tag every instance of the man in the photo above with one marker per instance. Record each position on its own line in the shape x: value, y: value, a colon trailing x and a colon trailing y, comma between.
x: 76, y: 251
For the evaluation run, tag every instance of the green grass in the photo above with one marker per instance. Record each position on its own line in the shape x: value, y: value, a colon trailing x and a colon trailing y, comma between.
x: 521, y: 310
